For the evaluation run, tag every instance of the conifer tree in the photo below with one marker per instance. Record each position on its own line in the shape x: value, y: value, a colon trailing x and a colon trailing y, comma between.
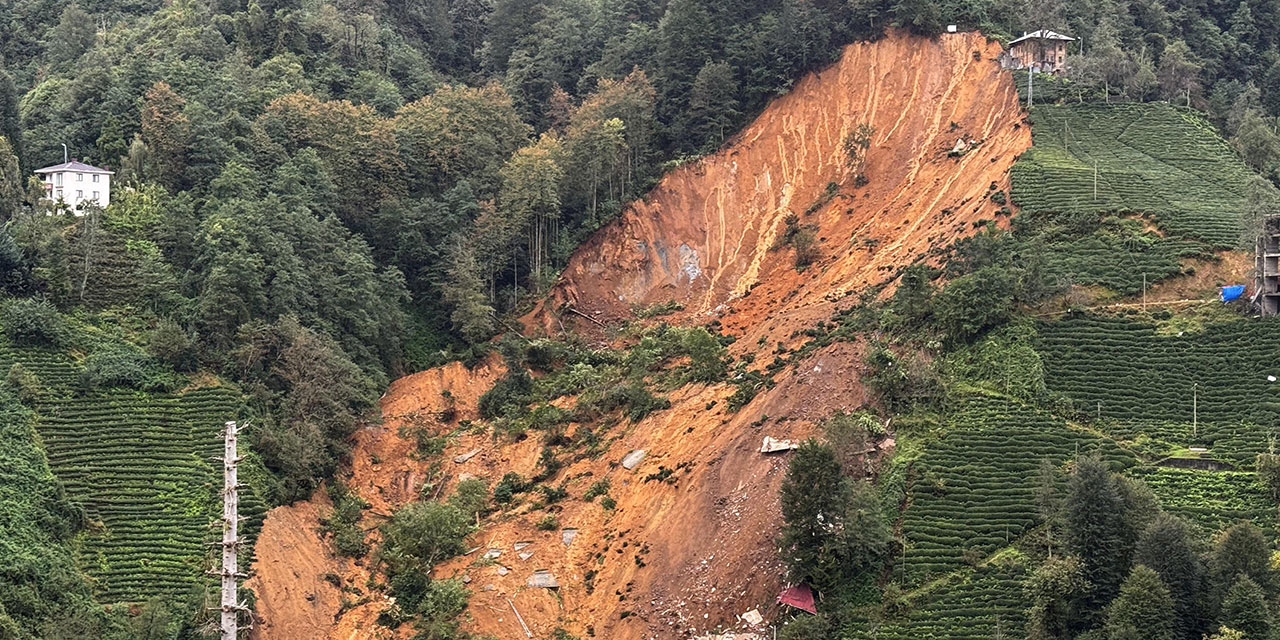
x: 1241, y: 549
x: 1166, y: 547
x: 814, y: 496
x: 1051, y: 589
x: 1245, y: 609
x: 167, y: 134
x: 1095, y: 533
x: 1143, y: 610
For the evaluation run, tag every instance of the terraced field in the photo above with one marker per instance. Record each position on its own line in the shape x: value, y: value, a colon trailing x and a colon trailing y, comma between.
x: 144, y: 467
x: 986, y: 603
x: 1150, y: 158
x: 1122, y: 370
x: 1118, y: 265
x: 1213, y: 500
x: 1235, y: 443
x: 973, y: 490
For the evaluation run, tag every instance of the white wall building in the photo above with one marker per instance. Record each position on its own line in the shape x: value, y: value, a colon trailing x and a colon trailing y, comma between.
x: 73, y: 183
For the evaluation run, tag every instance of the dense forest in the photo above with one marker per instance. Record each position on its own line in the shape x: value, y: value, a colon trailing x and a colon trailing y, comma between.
x: 316, y: 196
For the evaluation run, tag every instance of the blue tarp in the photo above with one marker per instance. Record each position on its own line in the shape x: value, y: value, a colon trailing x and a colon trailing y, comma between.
x: 1232, y: 292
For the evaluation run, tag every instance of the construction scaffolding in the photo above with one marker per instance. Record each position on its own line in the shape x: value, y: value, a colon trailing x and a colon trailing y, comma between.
x: 1267, y: 282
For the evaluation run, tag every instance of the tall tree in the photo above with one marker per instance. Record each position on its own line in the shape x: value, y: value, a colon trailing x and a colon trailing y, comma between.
x: 530, y: 197
x: 1143, y: 610
x: 1245, y: 609
x: 1095, y: 533
x: 1257, y: 141
x: 1241, y: 549
x: 11, y: 191
x: 459, y: 132
x: 713, y: 103
x: 73, y: 36
x: 1178, y: 73
x: 10, y: 123
x: 1166, y: 546
x: 167, y: 134
x: 1051, y: 589
x: 831, y: 528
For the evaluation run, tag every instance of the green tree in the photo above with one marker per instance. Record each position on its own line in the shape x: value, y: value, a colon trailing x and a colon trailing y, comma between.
x: 1051, y: 589
x: 1257, y: 142
x: 1143, y: 610
x: 1245, y: 609
x: 689, y: 35
x: 423, y: 534
x: 856, y: 145
x: 1096, y: 533
x: 10, y: 121
x: 167, y: 134
x: 973, y: 303
x: 472, y: 314
x: 713, y: 103
x: 1241, y: 549
x: 530, y: 197
x: 459, y: 132
x: 11, y: 194
x: 73, y: 36
x: 832, y: 527
x: 922, y: 17
x: 1166, y: 546
x: 1268, y: 469
x: 1178, y: 73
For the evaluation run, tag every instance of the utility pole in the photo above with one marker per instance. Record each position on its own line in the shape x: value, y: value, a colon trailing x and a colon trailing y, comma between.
x: 1030, y: 82
x: 231, y: 606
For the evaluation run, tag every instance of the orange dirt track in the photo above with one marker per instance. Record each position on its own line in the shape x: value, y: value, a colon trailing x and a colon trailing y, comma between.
x: 677, y: 560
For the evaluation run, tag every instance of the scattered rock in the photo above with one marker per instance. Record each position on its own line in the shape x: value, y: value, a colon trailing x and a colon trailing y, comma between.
x: 466, y: 456
x: 492, y: 554
x: 543, y: 579
x: 502, y: 571
x: 567, y: 536
x: 521, y: 545
x: 753, y: 617
x: 773, y: 445
x: 525, y: 555
x: 632, y: 459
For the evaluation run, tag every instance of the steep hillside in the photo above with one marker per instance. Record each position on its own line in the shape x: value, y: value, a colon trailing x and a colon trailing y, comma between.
x: 707, y: 235
x: 690, y: 544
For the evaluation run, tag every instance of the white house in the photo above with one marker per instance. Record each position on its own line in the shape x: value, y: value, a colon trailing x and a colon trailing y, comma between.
x: 73, y: 183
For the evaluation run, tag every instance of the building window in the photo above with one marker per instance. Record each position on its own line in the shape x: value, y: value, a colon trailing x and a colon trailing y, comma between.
x: 79, y: 194
x: 79, y: 177
x: 57, y: 179
x: 95, y: 177
x: 95, y: 196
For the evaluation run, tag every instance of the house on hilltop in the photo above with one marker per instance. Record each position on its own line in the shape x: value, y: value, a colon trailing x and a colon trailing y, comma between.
x: 1043, y: 51
x: 73, y: 183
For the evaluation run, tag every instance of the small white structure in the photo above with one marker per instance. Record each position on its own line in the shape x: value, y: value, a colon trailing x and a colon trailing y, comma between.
x: 73, y: 183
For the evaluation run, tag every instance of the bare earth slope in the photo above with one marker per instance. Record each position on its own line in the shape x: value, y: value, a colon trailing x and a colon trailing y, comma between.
x: 705, y: 235
x: 676, y: 560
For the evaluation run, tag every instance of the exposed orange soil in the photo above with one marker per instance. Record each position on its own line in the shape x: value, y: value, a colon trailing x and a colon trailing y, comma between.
x: 681, y: 558
x: 705, y: 235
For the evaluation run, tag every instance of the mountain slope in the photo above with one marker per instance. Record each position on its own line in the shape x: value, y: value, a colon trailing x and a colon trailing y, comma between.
x: 690, y: 545
x: 705, y: 236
